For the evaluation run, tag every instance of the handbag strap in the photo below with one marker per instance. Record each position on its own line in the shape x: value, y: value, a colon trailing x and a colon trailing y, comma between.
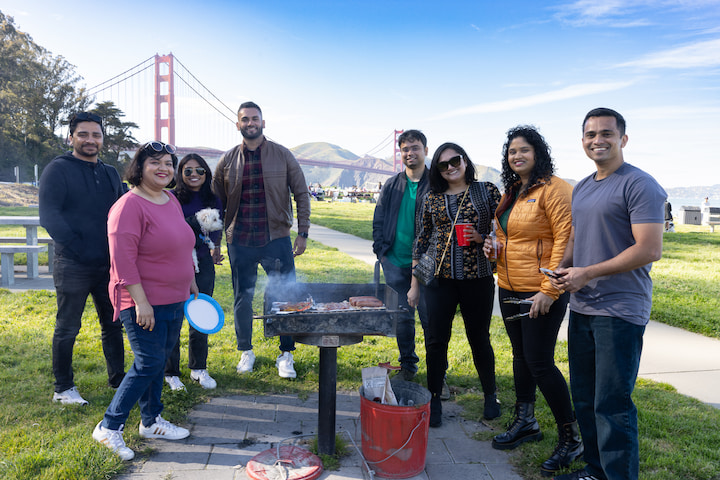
x: 447, y: 244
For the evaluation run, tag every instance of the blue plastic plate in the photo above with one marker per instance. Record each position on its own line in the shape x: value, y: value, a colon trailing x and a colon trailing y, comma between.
x: 204, y: 313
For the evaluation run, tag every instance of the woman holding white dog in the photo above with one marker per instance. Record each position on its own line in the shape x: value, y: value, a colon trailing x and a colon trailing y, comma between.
x: 151, y: 277
x: 194, y: 193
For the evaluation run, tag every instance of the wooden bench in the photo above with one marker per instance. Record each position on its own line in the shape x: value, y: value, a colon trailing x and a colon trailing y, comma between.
x: 712, y: 221
x: 7, y: 261
x: 50, y: 247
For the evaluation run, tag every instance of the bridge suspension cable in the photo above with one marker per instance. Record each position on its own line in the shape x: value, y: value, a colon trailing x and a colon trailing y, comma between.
x: 382, y: 145
x: 91, y: 91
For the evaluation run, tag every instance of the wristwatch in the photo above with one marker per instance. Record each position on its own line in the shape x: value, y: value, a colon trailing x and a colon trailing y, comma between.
x: 303, y: 234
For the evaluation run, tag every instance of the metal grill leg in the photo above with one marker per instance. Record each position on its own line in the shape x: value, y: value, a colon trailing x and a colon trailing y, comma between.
x: 327, y: 400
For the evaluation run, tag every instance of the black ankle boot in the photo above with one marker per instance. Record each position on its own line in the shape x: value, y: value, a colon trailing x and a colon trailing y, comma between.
x: 569, y: 448
x: 492, y: 407
x: 435, y: 411
x: 524, y: 428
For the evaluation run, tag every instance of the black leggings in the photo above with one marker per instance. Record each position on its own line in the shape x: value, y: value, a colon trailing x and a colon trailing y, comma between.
x: 475, y: 298
x: 533, y: 345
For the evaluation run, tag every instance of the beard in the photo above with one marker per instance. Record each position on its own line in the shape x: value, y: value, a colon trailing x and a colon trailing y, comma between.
x: 257, y: 133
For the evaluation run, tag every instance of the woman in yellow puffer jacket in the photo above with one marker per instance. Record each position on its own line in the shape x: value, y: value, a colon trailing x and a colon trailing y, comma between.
x: 534, y: 221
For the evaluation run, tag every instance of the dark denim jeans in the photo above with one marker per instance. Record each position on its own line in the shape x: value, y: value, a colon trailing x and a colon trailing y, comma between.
x: 398, y: 279
x: 197, y: 341
x: 144, y: 381
x: 277, y: 260
x: 73, y: 283
x: 604, y: 355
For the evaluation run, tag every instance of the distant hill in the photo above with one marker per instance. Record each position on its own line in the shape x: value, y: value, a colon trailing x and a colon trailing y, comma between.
x: 347, y: 178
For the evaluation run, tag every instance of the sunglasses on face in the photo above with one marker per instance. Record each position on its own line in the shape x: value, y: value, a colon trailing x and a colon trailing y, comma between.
x: 199, y: 170
x: 159, y: 147
x: 454, y: 162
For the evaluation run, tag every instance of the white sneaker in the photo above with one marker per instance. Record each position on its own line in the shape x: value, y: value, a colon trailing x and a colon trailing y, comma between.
x: 113, y: 439
x: 246, y: 363
x: 163, y: 429
x: 284, y: 365
x: 69, y: 396
x: 204, y: 378
x: 175, y: 383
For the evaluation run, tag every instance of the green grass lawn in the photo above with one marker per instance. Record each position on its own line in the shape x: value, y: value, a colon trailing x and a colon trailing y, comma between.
x: 41, y: 440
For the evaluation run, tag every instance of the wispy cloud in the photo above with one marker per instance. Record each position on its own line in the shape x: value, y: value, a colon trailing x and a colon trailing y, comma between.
x: 615, y: 13
x: 627, y: 13
x: 701, y: 54
x: 572, y: 91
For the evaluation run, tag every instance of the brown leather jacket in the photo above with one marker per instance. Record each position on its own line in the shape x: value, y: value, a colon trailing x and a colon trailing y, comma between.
x: 538, y: 230
x: 281, y: 175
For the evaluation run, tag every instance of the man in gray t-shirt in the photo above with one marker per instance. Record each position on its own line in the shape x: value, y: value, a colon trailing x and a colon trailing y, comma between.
x: 616, y: 235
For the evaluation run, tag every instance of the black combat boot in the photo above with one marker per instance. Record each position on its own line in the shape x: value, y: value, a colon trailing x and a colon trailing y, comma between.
x: 569, y: 448
x: 524, y: 428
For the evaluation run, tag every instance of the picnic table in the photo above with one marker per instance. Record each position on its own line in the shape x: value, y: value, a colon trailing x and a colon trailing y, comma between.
x: 31, y: 248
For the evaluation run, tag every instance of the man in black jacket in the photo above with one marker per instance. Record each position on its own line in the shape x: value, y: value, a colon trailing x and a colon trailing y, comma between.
x: 76, y: 193
x: 398, y: 205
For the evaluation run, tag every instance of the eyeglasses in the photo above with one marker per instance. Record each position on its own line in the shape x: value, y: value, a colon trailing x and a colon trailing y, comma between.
x: 88, y: 117
x: 454, y: 162
x: 414, y: 149
x: 159, y: 147
x: 199, y: 170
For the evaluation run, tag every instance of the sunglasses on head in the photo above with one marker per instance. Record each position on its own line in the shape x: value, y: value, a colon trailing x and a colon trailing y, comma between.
x: 159, y: 147
x: 88, y: 117
x: 454, y: 162
x: 189, y: 170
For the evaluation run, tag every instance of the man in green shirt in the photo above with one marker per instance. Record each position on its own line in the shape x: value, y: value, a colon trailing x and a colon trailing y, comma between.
x: 400, y: 201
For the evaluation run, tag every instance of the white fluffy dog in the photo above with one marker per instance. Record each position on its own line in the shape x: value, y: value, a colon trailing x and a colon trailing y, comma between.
x: 203, y: 223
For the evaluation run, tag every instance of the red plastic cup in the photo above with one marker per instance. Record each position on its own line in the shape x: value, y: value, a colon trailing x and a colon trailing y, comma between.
x: 460, y: 234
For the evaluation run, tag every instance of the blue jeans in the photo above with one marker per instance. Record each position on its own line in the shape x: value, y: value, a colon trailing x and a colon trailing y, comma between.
x: 74, y: 281
x: 277, y: 260
x: 144, y: 381
x: 398, y: 279
x: 604, y: 356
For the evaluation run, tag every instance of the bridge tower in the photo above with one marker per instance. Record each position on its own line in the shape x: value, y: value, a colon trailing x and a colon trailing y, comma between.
x: 164, y: 98
x: 397, y: 159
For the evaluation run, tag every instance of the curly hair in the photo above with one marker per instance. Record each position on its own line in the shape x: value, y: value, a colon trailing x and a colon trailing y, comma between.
x: 438, y: 184
x: 544, y: 167
x: 183, y: 192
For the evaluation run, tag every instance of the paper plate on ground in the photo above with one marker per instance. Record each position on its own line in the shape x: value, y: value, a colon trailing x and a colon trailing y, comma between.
x: 204, y: 313
x: 295, y: 463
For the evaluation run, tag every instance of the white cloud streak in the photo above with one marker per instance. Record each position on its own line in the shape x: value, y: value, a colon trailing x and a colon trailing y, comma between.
x: 572, y: 91
x: 702, y: 54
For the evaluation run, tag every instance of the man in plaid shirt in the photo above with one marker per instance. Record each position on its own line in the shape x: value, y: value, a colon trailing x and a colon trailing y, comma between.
x: 254, y: 181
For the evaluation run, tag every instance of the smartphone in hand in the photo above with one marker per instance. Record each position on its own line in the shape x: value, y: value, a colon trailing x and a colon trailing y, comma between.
x: 549, y: 273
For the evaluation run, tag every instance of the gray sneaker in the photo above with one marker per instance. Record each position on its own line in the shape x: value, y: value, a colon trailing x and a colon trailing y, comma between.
x: 445, y: 393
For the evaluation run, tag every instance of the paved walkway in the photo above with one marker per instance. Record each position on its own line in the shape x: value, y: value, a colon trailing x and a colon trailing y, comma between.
x: 228, y: 431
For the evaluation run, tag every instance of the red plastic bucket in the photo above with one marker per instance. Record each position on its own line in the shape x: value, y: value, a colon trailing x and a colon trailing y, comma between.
x: 394, y: 438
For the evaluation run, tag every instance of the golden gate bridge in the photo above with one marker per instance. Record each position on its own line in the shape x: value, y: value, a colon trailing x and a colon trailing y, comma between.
x: 183, y: 107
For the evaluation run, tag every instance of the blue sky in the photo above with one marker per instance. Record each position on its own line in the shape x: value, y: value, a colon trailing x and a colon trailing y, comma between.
x: 351, y: 72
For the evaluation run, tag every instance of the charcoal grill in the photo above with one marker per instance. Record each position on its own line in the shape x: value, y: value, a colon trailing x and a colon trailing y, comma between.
x: 330, y: 330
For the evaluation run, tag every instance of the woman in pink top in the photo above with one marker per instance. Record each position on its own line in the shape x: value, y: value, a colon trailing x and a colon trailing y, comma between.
x: 151, y: 276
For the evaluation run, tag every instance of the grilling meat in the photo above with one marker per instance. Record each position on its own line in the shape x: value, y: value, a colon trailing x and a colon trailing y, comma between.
x: 366, y: 301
